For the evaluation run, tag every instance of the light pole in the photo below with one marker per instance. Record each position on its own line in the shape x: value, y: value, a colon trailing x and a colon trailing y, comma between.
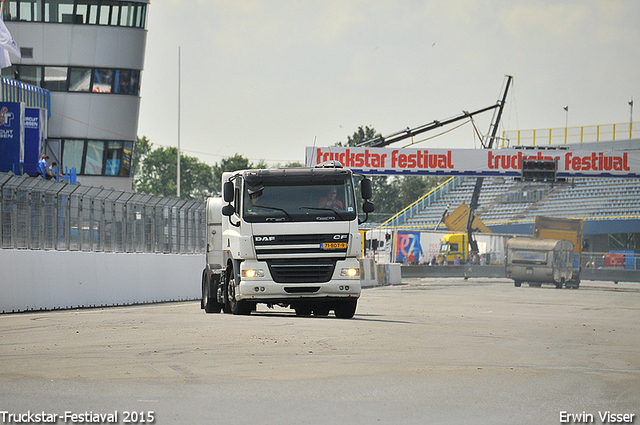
x: 631, y: 119
x: 566, y: 122
x: 178, y: 164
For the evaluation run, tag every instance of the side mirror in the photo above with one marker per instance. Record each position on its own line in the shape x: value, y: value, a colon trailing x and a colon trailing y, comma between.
x: 227, y: 192
x: 228, y: 210
x: 367, y: 207
x: 365, y: 188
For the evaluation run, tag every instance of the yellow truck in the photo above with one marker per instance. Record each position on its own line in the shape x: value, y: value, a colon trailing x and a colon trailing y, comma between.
x: 454, y: 245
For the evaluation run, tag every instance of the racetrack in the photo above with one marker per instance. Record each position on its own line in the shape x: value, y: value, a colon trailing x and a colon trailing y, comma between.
x: 445, y: 351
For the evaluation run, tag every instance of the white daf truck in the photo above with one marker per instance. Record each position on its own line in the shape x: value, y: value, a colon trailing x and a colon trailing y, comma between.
x: 286, y: 237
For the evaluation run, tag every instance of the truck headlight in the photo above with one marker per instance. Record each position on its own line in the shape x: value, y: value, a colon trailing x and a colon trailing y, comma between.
x: 251, y: 273
x: 350, y: 272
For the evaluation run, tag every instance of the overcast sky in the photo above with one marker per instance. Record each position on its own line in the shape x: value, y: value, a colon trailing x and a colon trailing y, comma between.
x: 266, y: 78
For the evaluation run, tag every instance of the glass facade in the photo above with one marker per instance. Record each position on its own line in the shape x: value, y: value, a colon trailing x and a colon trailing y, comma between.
x: 83, y: 12
x: 77, y: 79
x: 97, y: 157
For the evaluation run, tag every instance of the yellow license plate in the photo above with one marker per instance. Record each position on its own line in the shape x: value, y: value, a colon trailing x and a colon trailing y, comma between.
x: 334, y: 245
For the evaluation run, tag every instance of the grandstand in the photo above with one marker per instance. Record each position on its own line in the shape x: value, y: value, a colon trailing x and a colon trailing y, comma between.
x: 608, y: 206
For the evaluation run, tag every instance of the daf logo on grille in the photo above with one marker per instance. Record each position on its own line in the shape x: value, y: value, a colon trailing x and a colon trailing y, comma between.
x: 340, y: 237
x: 265, y: 238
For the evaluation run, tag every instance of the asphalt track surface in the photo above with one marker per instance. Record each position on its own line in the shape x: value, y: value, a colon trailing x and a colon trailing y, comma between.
x: 430, y: 351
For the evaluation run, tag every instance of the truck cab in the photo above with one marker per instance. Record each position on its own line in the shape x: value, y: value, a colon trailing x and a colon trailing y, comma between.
x: 454, y: 245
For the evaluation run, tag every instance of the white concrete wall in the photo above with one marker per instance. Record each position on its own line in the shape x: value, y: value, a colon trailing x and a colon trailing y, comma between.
x: 374, y: 274
x: 50, y: 280
x: 47, y: 280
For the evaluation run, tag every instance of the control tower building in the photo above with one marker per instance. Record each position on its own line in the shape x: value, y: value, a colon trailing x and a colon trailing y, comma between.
x: 90, y: 55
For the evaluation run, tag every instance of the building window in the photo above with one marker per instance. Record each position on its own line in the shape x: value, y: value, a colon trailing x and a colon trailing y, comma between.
x: 58, y: 11
x: 30, y: 74
x: 102, y: 81
x: 72, y: 154
x: 80, y: 79
x: 97, y: 157
x: 126, y: 82
x: 26, y: 52
x: 93, y: 164
x: 61, y: 78
x: 119, y: 159
x: 88, y: 12
x: 55, y: 78
x: 30, y: 10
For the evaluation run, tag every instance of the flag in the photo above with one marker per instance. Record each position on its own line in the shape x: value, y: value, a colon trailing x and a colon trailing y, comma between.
x: 7, y: 45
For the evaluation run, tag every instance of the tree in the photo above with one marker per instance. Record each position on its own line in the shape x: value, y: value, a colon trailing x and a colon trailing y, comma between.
x: 379, y: 184
x: 141, y: 148
x: 157, y: 175
x: 234, y: 163
x: 154, y: 172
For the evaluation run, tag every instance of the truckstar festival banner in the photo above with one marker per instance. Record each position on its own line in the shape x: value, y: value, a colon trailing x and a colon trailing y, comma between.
x: 477, y: 162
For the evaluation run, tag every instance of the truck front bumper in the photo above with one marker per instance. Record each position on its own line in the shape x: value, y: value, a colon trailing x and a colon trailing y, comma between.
x: 257, y: 284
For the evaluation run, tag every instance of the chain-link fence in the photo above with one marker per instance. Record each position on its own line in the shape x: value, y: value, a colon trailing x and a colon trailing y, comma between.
x: 44, y: 214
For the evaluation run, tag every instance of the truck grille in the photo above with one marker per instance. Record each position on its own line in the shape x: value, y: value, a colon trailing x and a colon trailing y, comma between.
x: 309, y: 246
x: 302, y: 270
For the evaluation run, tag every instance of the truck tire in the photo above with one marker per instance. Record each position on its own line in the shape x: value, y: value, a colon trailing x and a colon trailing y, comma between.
x: 231, y: 304
x: 204, y: 273
x: 517, y: 283
x: 345, y: 309
x: 209, y: 302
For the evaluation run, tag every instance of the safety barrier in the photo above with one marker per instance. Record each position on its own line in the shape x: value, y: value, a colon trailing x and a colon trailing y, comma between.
x: 43, y: 214
x: 374, y: 274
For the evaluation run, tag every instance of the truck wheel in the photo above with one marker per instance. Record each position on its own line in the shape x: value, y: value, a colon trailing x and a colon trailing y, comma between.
x: 204, y: 274
x: 345, y: 309
x: 209, y: 302
x: 517, y: 283
x: 233, y: 306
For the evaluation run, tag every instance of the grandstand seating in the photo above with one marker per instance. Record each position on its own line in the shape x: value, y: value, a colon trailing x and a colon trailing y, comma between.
x: 505, y: 200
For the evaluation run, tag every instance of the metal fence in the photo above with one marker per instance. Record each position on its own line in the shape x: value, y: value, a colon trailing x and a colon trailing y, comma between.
x: 612, y: 260
x: 48, y: 215
x: 572, y: 135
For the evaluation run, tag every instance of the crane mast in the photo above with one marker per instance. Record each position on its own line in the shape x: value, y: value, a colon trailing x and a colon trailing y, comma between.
x: 493, y: 129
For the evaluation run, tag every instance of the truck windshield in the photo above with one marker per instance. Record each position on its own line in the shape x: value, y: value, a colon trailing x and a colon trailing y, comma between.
x: 331, y: 200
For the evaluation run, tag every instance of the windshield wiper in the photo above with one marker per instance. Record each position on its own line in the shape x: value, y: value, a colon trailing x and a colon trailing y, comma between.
x: 276, y: 209
x: 325, y: 209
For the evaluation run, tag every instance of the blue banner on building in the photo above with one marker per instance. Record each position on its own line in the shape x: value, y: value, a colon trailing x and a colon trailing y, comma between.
x: 34, y: 136
x: 11, y: 137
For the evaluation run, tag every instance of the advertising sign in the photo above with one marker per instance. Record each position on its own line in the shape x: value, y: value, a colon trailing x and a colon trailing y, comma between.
x: 477, y: 162
x: 408, y: 247
x: 33, y: 139
x: 11, y: 137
